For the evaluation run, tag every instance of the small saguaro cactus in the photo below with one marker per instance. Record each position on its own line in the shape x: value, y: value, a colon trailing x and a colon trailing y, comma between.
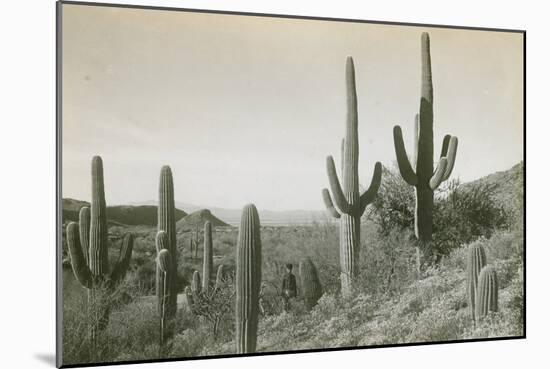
x: 207, y: 263
x: 475, y: 262
x: 88, y: 251
x: 196, y: 283
x: 248, y: 280
x: 425, y: 179
x: 350, y: 204
x: 311, y: 286
x: 167, y: 227
x: 219, y: 277
x: 487, y: 292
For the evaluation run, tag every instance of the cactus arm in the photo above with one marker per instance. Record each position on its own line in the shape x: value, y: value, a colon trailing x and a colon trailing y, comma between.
x: 445, y: 146
x: 437, y: 177
x: 121, y: 266
x: 403, y: 162
x: 370, y: 193
x: 416, y: 135
x: 451, y: 156
x: 84, y: 227
x: 339, y: 197
x: 78, y: 262
x: 328, y: 203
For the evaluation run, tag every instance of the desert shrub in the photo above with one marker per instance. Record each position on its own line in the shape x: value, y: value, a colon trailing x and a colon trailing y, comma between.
x: 462, y: 213
x: 387, y: 261
x: 215, y: 306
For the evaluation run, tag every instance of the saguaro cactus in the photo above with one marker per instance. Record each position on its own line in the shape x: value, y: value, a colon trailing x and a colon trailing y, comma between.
x: 167, y: 225
x: 248, y: 280
x: 476, y: 261
x: 196, y: 283
x: 350, y: 204
x: 311, y: 286
x: 207, y: 262
x: 219, y: 277
x: 425, y: 179
x: 487, y: 292
x: 88, y: 251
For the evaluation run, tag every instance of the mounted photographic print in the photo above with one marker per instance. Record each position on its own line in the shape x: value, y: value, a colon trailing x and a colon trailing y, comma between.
x: 249, y: 184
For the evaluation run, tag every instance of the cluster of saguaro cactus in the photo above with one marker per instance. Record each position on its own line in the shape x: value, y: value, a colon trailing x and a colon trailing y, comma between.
x: 487, y: 292
x: 88, y: 250
x: 207, y: 262
x: 481, y: 283
x: 425, y: 179
x: 350, y: 204
x: 476, y: 261
x: 248, y: 280
x: 311, y: 285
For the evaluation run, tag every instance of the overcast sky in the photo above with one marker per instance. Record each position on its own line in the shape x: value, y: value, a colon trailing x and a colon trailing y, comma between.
x: 246, y: 109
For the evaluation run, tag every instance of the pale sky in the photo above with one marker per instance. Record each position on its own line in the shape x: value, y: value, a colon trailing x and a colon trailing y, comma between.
x: 246, y: 109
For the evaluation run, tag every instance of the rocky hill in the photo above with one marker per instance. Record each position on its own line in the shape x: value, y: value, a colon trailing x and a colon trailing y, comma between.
x: 198, y: 218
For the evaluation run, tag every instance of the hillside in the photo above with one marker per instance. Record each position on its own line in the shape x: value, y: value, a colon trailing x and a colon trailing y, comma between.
x: 198, y: 218
x: 125, y: 214
x: 507, y: 186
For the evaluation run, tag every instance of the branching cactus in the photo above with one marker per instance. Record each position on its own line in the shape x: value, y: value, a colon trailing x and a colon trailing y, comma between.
x: 349, y: 205
x: 487, y: 292
x: 207, y: 263
x: 311, y: 286
x: 88, y: 250
x: 167, y: 226
x: 248, y: 280
x: 425, y: 179
x: 476, y: 261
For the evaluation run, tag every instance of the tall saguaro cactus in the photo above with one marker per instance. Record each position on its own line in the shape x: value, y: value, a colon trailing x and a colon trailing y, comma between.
x: 167, y: 225
x: 248, y: 280
x: 350, y: 204
x: 487, y: 292
x: 476, y: 261
x: 207, y: 263
x: 425, y: 179
x: 88, y: 250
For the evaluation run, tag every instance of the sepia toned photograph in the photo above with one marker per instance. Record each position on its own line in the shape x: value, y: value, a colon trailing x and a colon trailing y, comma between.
x: 235, y: 184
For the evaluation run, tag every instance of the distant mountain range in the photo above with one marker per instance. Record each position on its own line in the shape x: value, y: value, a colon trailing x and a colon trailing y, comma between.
x: 125, y: 214
x: 508, y: 185
x: 268, y: 217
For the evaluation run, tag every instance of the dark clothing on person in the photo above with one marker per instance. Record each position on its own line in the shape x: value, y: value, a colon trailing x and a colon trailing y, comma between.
x: 288, y: 290
x: 289, y: 285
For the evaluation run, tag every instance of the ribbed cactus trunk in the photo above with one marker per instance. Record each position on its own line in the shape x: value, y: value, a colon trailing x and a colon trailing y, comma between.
x: 476, y: 261
x: 311, y: 285
x: 99, y: 264
x: 487, y: 292
x: 207, y: 262
x: 88, y: 250
x: 424, y: 178
x: 350, y: 204
x: 167, y: 224
x: 248, y: 280
x: 164, y: 265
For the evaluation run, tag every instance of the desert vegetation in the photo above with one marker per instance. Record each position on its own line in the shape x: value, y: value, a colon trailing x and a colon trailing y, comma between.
x: 416, y: 257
